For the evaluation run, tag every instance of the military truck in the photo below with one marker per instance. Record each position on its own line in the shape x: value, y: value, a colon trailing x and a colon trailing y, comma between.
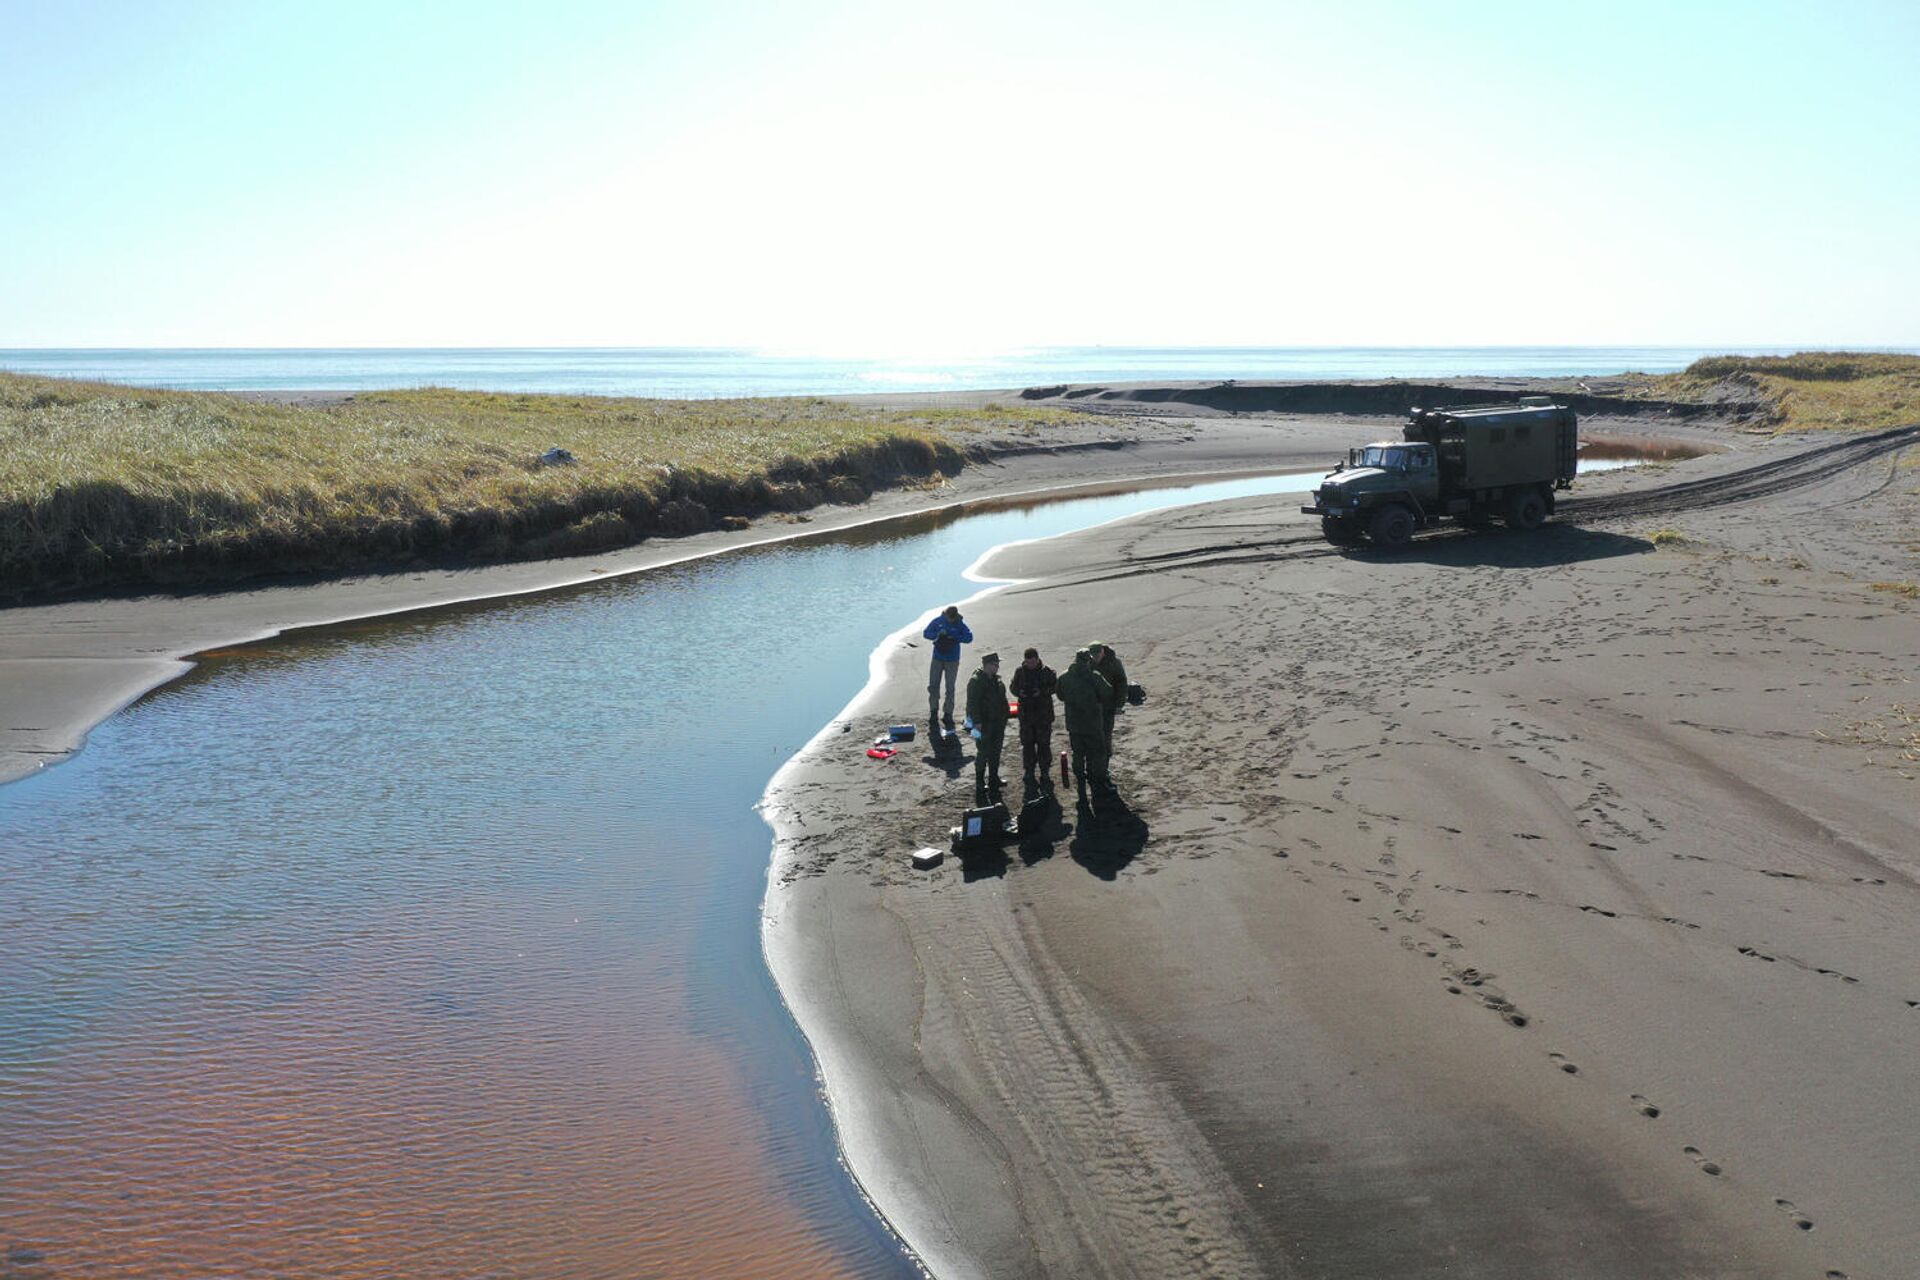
x: 1471, y: 463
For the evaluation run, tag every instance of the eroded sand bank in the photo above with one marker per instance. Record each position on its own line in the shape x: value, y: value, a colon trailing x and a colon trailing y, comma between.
x: 1515, y: 906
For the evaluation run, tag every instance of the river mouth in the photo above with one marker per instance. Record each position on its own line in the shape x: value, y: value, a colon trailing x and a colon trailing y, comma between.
x: 431, y: 944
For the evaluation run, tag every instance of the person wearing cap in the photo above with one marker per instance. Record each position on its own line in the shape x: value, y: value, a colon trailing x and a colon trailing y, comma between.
x: 1107, y: 663
x: 948, y: 631
x: 1033, y: 684
x: 1084, y: 694
x: 987, y: 709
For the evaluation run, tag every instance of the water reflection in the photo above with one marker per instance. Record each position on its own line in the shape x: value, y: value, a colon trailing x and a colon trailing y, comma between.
x: 431, y: 946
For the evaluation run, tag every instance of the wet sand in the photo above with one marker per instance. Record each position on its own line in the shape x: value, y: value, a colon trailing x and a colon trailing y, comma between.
x: 1514, y: 906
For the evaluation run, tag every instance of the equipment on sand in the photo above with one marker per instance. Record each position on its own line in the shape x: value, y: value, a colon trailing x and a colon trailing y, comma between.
x: 1470, y: 463
x: 926, y: 858
x: 984, y: 828
x: 900, y: 732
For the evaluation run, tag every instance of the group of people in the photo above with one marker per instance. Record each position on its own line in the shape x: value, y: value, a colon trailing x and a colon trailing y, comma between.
x: 1091, y: 691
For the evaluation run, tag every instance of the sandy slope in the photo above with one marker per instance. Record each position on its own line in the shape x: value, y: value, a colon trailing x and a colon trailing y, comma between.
x: 1510, y: 907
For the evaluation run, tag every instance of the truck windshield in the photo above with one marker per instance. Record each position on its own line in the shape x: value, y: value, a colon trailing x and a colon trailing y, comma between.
x: 1389, y: 456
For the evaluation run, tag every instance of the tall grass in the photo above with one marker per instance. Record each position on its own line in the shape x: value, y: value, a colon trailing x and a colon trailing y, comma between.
x: 1811, y: 389
x: 106, y: 485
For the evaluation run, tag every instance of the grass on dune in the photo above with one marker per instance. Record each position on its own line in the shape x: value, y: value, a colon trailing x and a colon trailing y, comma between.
x: 1808, y: 390
x: 104, y: 484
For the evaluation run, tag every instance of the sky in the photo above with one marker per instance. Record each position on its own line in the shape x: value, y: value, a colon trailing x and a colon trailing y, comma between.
x: 907, y: 178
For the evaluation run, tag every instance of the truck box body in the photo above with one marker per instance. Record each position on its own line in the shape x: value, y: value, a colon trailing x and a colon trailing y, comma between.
x: 1495, y: 448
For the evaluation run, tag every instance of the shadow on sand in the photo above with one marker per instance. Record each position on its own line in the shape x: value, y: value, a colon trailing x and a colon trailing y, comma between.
x: 945, y: 753
x: 1108, y: 837
x: 1545, y: 547
x: 1103, y: 838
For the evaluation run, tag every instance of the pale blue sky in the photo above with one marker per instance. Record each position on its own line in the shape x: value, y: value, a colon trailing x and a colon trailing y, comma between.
x: 899, y: 177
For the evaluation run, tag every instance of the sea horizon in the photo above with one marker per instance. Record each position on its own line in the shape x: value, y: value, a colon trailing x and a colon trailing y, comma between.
x: 689, y: 372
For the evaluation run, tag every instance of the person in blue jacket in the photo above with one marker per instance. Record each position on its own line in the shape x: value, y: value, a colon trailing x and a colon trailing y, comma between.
x: 948, y: 631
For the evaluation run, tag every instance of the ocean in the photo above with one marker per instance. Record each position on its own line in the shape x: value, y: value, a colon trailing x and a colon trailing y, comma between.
x: 710, y: 372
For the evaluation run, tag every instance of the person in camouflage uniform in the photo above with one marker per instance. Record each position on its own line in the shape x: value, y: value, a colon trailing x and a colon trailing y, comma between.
x: 987, y: 708
x: 1107, y: 663
x: 1085, y: 695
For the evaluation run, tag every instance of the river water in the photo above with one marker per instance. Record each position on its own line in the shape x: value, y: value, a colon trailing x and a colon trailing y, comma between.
x: 430, y: 946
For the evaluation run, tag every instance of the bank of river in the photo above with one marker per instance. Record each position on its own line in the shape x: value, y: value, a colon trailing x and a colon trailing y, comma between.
x: 431, y: 944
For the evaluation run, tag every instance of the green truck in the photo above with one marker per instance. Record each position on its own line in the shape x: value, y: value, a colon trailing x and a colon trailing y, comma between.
x: 1472, y: 463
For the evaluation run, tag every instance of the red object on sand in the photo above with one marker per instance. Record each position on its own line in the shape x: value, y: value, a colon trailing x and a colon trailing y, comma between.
x: 1013, y: 706
x: 882, y: 753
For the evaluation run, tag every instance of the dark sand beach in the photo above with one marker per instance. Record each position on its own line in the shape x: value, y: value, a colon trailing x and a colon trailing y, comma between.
x: 1513, y: 906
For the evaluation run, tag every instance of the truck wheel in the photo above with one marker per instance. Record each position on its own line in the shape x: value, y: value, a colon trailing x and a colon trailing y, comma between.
x: 1526, y: 510
x: 1392, y: 526
x: 1342, y: 531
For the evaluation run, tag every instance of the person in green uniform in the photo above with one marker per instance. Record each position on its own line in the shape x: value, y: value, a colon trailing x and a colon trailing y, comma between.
x: 1084, y: 694
x: 1033, y: 682
x: 987, y: 708
x: 1107, y: 663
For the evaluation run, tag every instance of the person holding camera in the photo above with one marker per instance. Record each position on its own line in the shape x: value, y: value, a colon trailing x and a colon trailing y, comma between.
x: 948, y: 631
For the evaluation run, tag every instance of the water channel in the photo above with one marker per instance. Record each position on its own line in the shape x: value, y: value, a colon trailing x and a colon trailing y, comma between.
x: 430, y: 946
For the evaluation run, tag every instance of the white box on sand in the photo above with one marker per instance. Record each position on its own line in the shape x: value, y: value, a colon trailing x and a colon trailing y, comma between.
x: 927, y: 859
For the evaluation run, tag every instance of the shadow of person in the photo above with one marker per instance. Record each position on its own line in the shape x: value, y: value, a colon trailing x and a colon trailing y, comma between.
x: 1108, y: 837
x: 947, y: 755
x: 1042, y: 825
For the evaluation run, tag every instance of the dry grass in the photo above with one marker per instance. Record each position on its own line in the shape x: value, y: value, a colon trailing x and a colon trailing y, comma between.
x: 1892, y: 738
x: 1810, y: 390
x: 102, y: 484
x: 1668, y: 538
x: 1911, y: 590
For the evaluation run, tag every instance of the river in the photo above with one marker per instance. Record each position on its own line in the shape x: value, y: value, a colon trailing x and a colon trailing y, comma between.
x: 430, y: 945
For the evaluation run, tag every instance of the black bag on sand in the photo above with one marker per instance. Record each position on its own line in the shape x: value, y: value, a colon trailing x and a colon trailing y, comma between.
x: 983, y: 828
x: 1135, y: 695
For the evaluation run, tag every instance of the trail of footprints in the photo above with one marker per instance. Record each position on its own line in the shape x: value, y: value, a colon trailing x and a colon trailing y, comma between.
x: 1467, y: 980
x: 1712, y: 1168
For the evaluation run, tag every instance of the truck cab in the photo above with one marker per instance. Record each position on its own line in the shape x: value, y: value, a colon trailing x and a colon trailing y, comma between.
x: 1388, y: 475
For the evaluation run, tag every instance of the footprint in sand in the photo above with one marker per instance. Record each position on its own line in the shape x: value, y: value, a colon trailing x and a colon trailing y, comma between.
x: 1707, y: 1166
x: 1800, y: 1219
x: 1600, y: 911
x: 1643, y: 1106
x: 1560, y: 1060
